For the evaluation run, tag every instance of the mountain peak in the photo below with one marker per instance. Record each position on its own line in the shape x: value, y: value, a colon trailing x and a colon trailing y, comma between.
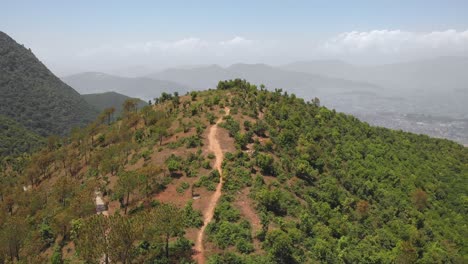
x: 33, y: 96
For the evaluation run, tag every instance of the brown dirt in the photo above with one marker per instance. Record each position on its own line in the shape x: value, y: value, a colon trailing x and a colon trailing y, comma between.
x: 245, y: 205
x: 215, y: 147
x: 170, y: 194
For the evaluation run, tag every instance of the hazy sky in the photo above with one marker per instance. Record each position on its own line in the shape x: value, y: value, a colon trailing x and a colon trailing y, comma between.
x: 73, y: 36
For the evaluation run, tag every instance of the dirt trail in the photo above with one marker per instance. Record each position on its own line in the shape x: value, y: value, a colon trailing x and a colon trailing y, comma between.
x: 214, y: 147
x: 101, y: 209
x: 100, y: 205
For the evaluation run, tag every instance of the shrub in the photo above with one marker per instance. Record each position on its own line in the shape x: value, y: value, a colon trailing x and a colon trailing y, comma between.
x: 139, y: 135
x: 206, y: 164
x: 47, y: 235
x: 56, y: 257
x: 146, y: 154
x: 193, y: 142
x: 244, y: 246
x: 192, y: 217
x: 265, y: 162
x: 225, y: 234
x: 183, y: 187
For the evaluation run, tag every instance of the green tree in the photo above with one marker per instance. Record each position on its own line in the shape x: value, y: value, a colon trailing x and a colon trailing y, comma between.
x: 126, y: 185
x: 13, y: 234
x: 265, y: 162
x: 166, y: 221
x: 91, y: 238
x: 280, y: 247
x: 123, y: 233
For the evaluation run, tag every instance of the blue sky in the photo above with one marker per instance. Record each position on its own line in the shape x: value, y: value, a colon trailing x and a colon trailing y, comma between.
x: 63, y: 33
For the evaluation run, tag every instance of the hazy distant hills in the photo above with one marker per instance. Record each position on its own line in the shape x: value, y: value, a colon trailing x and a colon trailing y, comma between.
x: 197, y: 78
x: 144, y: 88
x: 437, y: 74
x: 435, y: 86
x: 102, y: 101
x: 34, y: 97
x: 433, y: 91
x: 382, y: 95
x: 303, y: 84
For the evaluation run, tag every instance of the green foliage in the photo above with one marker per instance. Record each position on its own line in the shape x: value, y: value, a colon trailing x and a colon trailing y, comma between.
x: 227, y: 229
x: 183, y: 187
x: 211, y: 118
x: 35, y: 98
x: 209, y: 182
x: 56, y: 257
x: 228, y: 257
x: 369, y: 194
x: 266, y: 163
x: 235, y: 84
x: 16, y: 139
x: 173, y: 164
x: 231, y: 125
x: 237, y: 178
x: 193, y: 142
x: 242, y: 139
x: 126, y: 184
x: 225, y: 212
x: 342, y: 191
x: 245, y: 247
x: 225, y: 233
x: 206, y: 164
x: 274, y: 201
x: 107, y: 100
x: 139, y: 135
x: 193, y: 95
x: 280, y: 247
x: 46, y: 233
x: 192, y: 217
x: 146, y: 154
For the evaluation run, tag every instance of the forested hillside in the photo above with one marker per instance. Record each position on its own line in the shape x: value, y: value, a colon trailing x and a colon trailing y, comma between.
x: 102, y: 101
x: 34, y: 97
x: 300, y: 184
x: 15, y: 139
x: 142, y: 87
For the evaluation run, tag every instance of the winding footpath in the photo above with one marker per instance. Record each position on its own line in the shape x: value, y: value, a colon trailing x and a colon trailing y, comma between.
x: 100, y: 205
x: 214, y: 147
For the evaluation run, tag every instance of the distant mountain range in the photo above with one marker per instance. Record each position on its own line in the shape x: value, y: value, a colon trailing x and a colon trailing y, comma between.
x: 382, y: 95
x: 437, y: 86
x: 303, y: 84
x: 34, y: 97
x: 434, y: 75
x: 143, y: 87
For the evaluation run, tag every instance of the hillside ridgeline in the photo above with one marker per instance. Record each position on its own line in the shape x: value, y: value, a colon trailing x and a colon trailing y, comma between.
x: 301, y: 184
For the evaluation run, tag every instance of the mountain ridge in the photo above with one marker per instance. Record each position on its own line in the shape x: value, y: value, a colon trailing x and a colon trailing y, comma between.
x: 141, y: 87
x: 300, y: 184
x: 302, y: 84
x: 102, y: 101
x: 33, y: 96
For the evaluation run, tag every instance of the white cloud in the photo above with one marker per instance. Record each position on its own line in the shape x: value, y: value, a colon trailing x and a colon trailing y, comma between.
x: 236, y: 41
x: 375, y: 47
x: 397, y: 42
x: 186, y: 45
x: 163, y: 53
